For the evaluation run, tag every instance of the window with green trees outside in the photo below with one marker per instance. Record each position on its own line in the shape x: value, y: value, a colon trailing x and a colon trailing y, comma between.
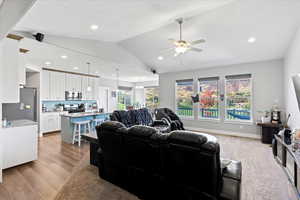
x: 151, y: 97
x: 238, y: 98
x: 184, y: 104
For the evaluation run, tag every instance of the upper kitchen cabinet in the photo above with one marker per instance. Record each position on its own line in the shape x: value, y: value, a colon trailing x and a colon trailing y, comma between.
x: 22, y: 69
x: 45, y: 87
x: 57, y: 85
x: 9, y: 64
x: 73, y: 83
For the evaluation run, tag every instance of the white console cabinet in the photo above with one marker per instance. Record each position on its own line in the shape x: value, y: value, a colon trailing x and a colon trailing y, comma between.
x: 19, y: 145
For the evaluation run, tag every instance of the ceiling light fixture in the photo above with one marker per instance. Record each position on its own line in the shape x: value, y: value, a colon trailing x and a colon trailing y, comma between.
x: 47, y: 63
x: 181, y: 49
x: 251, y: 39
x: 96, y: 72
x: 94, y: 27
x: 75, y: 68
x: 64, y: 56
x: 160, y: 58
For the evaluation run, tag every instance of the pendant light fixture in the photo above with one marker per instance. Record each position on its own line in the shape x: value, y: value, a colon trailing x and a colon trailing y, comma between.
x: 89, y: 88
x: 118, y: 77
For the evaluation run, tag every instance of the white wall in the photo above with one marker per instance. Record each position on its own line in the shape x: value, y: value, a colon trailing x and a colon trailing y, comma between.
x: 267, y: 90
x: 291, y: 68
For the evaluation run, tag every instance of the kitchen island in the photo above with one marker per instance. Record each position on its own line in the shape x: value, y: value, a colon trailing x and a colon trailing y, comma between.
x: 68, y: 119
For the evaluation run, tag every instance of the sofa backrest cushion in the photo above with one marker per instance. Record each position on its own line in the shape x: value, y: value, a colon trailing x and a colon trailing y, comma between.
x: 110, y: 137
x: 142, y: 131
x: 142, y: 148
x: 193, y: 160
x: 187, y: 138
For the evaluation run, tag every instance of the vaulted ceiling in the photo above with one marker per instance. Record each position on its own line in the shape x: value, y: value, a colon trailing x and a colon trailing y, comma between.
x: 143, y: 27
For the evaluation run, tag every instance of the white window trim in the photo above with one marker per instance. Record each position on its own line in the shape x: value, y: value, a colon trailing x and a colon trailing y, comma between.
x: 219, y: 105
x: 232, y: 121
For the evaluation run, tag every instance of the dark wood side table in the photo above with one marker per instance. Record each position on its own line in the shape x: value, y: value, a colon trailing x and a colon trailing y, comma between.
x: 93, y: 140
x: 268, y: 130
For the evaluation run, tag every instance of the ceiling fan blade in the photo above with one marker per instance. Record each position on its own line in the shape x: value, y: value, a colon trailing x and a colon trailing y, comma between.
x: 197, y: 41
x: 195, y: 49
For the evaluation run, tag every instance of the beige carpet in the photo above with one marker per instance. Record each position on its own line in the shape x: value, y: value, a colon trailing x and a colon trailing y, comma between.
x: 263, y: 179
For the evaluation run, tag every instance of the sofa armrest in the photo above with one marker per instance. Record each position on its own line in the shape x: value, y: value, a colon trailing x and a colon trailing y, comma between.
x: 232, y: 179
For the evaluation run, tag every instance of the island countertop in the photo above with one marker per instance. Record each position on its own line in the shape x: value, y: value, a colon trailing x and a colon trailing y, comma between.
x: 83, y: 114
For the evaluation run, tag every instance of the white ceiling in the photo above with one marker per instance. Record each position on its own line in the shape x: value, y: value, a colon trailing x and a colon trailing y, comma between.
x: 143, y: 27
x: 117, y: 19
x: 40, y: 53
x: 226, y: 29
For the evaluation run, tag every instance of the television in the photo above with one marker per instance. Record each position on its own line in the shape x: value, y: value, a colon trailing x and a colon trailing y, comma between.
x: 296, y: 81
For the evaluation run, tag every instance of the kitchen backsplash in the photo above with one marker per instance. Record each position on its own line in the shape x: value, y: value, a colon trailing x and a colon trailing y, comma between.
x: 52, y: 105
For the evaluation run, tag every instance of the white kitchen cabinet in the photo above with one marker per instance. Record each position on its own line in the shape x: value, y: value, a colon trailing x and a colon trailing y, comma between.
x: 57, y: 85
x: 19, y: 145
x: 22, y: 69
x: 51, y: 122
x: 45, y: 87
x: 73, y: 82
x: 10, y: 71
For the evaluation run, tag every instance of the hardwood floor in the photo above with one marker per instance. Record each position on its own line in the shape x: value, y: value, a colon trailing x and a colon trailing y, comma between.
x: 42, y: 179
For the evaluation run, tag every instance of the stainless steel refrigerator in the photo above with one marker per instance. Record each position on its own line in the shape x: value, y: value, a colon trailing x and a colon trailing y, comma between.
x: 26, y: 109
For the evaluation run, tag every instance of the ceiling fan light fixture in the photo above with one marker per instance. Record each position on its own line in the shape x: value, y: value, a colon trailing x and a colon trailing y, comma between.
x: 181, y: 49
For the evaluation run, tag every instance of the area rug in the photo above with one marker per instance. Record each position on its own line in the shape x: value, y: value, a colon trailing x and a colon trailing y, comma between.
x: 85, y: 184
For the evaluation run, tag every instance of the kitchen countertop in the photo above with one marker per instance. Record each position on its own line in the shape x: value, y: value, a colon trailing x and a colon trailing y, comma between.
x: 83, y: 114
x: 20, y: 123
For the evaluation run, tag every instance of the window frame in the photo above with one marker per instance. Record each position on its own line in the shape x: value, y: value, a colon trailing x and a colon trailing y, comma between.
x: 237, y: 121
x: 193, y: 110
x: 218, y: 99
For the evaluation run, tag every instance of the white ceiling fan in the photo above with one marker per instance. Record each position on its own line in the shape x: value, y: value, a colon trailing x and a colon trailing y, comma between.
x: 182, y: 46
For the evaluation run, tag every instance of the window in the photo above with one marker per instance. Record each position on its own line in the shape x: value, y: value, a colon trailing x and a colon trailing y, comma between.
x: 124, y: 98
x: 238, y: 92
x: 184, y: 104
x: 208, y: 98
x: 151, y: 97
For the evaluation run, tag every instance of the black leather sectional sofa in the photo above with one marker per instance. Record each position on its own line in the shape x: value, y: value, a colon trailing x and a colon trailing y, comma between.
x: 179, y: 165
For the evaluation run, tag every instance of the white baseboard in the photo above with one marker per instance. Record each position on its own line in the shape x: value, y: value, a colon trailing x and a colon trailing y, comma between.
x: 223, y: 132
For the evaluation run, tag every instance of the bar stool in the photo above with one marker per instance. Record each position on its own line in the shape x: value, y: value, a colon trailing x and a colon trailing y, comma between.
x: 97, y: 122
x: 77, y: 130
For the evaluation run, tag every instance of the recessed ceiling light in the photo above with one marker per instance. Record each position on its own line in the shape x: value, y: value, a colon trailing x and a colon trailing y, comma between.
x: 94, y: 27
x: 96, y: 72
x: 160, y: 58
x: 251, y: 39
x: 47, y: 63
x: 64, y: 56
x: 75, y: 68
